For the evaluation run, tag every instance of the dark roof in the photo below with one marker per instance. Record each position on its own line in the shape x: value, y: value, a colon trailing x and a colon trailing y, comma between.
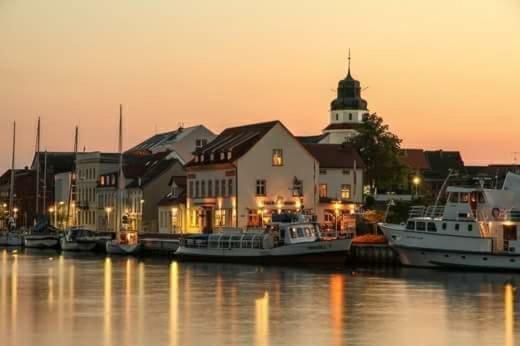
x: 441, y: 162
x: 235, y: 140
x: 170, y: 200
x: 414, y: 159
x: 335, y: 155
x: 161, y: 139
x: 349, y: 95
x: 312, y: 139
x: 57, y: 162
x: 343, y: 126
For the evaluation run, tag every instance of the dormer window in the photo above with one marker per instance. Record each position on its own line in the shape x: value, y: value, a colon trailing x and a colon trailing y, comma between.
x: 222, y: 156
x: 212, y: 157
x: 201, y: 158
x: 229, y: 155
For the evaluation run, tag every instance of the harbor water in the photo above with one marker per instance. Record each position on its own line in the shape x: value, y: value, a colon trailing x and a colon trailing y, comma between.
x: 48, y: 298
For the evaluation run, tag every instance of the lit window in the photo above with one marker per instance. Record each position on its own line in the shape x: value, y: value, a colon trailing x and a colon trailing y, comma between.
x: 323, y: 191
x: 260, y: 187
x: 102, y: 182
x: 277, y: 157
x: 345, y: 191
x: 229, y: 155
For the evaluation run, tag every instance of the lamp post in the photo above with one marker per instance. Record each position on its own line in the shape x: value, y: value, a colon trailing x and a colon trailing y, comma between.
x: 140, y: 216
x: 416, y: 181
x: 51, y: 211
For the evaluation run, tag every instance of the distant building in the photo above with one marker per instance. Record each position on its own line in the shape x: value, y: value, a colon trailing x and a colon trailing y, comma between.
x: 24, y: 197
x: 417, y: 163
x: 172, y: 208
x: 340, y: 184
x: 182, y: 141
x: 248, y: 173
x: 441, y: 162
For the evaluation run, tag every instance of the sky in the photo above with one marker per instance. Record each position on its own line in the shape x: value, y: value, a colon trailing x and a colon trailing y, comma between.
x: 443, y: 74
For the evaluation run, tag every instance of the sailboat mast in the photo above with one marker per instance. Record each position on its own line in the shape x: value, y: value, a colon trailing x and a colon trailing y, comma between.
x: 11, y: 187
x: 44, y: 202
x: 72, y: 184
x: 38, y: 168
x: 120, y: 177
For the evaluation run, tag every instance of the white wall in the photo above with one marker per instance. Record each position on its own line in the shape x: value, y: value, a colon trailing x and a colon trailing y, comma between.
x: 344, y: 116
x: 334, y: 178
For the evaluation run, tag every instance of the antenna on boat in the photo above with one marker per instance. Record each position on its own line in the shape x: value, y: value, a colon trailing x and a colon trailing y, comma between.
x: 120, y: 175
x: 38, y: 167
x: 72, y: 185
x: 451, y: 173
x: 11, y: 187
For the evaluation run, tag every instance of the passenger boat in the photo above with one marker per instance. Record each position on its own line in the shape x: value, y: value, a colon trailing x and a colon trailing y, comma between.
x: 476, y: 229
x: 78, y: 239
x: 294, y: 241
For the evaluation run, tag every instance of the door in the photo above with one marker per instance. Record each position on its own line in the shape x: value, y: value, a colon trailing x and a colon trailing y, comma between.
x: 208, y: 220
x: 509, y: 234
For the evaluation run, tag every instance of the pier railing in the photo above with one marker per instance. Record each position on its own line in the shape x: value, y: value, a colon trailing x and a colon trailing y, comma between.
x: 426, y: 211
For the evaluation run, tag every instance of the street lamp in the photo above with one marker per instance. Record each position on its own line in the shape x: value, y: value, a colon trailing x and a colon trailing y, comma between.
x: 416, y: 181
x: 51, y: 211
x: 337, y: 208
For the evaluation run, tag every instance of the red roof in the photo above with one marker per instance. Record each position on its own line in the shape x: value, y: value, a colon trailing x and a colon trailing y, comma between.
x: 415, y: 159
x: 335, y: 155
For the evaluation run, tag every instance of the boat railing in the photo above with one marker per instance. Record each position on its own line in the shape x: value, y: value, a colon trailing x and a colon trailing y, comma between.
x: 423, y: 211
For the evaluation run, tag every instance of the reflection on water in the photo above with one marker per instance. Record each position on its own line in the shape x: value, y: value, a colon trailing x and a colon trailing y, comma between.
x: 49, y: 299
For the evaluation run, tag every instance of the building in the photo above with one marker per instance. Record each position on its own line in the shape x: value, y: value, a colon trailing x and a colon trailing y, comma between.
x: 246, y: 174
x: 441, y: 162
x: 340, y: 184
x: 24, y: 197
x: 182, y: 141
x: 172, y: 208
x: 347, y: 112
x: 417, y: 163
x: 89, y: 167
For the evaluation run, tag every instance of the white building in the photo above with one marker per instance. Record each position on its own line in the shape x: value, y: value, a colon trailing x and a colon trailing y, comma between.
x: 182, y: 141
x: 340, y: 184
x: 246, y: 174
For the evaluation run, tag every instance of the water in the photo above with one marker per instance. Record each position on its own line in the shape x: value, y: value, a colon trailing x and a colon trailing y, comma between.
x: 52, y: 299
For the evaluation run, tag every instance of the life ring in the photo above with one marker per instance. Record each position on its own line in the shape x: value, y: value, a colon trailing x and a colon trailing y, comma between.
x: 495, y: 212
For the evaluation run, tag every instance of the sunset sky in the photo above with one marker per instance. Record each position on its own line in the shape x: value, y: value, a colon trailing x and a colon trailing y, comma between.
x: 443, y: 74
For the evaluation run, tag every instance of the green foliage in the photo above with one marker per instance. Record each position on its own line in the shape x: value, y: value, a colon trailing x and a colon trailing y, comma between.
x: 380, y: 149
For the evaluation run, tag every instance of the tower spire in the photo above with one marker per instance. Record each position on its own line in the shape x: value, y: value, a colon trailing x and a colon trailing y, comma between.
x: 348, y: 62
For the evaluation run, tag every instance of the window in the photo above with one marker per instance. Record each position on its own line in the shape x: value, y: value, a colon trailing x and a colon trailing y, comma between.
x: 444, y: 226
x: 277, y: 157
x: 337, y: 116
x: 410, y: 225
x: 350, y: 116
x: 203, y: 188
x: 223, y: 187
x: 210, y: 188
x: 230, y: 187
x: 260, y: 187
x: 199, y: 143
x: 323, y: 171
x: 346, y: 172
x: 217, y: 188
x: 229, y: 155
x: 420, y: 226
x: 470, y: 227
x: 457, y: 226
x: 323, y: 191
x: 197, y: 189
x: 300, y: 232
x: 432, y: 227
x: 102, y: 181
x: 293, y: 232
x: 345, y: 191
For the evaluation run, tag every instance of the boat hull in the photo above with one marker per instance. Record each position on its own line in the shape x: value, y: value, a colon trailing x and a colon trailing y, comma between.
x: 80, y: 245
x: 14, y: 239
x: 116, y: 248
x: 41, y: 241
x: 316, y: 253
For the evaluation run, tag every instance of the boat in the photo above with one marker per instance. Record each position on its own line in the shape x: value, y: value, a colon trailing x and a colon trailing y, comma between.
x: 42, y: 236
x: 15, y: 238
x: 126, y: 242
x: 78, y: 239
x: 294, y: 240
x: 477, y: 229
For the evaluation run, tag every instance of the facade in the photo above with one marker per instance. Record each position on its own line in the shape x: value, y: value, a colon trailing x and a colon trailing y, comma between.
x: 24, y: 197
x: 172, y: 208
x: 340, y: 184
x: 89, y: 167
x: 182, y: 141
x: 246, y: 174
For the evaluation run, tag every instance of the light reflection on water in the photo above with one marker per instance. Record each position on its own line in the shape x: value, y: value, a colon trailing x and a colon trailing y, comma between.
x: 49, y: 299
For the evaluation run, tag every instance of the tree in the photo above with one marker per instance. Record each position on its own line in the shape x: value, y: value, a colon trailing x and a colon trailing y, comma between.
x: 380, y: 149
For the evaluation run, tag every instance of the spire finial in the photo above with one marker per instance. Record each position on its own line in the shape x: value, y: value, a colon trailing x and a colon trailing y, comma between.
x: 349, y: 61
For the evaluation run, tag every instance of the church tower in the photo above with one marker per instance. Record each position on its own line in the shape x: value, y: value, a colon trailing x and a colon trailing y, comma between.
x: 347, y: 110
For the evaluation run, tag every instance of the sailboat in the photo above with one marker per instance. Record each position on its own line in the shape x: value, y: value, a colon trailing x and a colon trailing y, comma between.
x: 12, y: 237
x: 43, y: 235
x: 126, y: 241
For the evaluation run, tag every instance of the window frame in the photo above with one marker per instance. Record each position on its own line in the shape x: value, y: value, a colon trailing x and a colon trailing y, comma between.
x: 274, y: 155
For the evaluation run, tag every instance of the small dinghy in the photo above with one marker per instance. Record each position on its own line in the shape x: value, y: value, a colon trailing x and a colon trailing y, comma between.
x: 127, y: 244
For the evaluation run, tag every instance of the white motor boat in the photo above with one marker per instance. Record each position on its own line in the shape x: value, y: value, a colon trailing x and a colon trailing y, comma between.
x: 78, y: 239
x: 294, y: 241
x: 127, y: 244
x: 476, y: 229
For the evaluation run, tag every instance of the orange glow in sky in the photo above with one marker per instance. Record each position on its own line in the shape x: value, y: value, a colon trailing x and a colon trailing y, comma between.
x: 443, y: 74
